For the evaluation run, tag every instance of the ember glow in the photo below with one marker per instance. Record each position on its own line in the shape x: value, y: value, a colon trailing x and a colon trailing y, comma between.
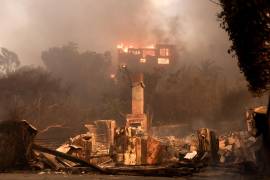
x: 143, y: 60
x: 112, y: 76
x: 152, y: 46
x: 125, y: 47
x: 163, y: 61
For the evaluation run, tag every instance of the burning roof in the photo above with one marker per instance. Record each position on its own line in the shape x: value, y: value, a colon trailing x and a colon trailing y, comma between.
x: 146, y: 57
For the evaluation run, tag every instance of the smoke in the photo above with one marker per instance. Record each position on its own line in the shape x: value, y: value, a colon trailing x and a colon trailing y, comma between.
x: 28, y: 27
x: 31, y: 26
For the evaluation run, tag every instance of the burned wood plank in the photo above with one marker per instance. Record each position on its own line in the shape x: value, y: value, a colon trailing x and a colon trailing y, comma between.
x: 66, y: 156
x: 49, y: 161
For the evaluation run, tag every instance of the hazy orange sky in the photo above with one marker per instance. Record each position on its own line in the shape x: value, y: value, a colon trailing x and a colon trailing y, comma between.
x: 31, y: 26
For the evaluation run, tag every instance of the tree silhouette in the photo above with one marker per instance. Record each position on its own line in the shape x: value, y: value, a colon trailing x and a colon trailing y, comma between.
x: 9, y: 61
x: 248, y: 26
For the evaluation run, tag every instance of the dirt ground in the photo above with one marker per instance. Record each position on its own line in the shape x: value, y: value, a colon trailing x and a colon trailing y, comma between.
x: 205, y: 174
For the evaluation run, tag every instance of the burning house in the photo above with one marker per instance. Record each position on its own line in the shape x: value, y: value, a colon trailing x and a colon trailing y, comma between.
x: 146, y: 58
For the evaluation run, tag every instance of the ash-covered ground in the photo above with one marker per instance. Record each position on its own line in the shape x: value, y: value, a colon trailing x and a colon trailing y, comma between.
x: 212, y: 173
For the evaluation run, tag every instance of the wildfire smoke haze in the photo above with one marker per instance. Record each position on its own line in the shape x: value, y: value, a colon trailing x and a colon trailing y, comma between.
x: 29, y: 27
x: 39, y: 32
x: 151, y: 80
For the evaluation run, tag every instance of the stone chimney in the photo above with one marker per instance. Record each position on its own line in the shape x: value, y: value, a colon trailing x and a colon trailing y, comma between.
x: 137, y: 117
x: 137, y: 94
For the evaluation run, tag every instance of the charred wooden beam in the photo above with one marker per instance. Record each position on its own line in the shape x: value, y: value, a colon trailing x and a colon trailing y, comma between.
x: 67, y: 157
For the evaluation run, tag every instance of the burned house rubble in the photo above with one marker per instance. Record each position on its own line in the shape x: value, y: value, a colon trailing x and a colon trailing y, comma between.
x: 134, y: 149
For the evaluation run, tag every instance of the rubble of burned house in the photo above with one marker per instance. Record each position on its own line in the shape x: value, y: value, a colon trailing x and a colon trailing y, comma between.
x: 109, y: 146
x: 237, y: 147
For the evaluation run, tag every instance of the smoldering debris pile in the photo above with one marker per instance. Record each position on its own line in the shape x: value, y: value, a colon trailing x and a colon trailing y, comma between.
x: 129, y: 150
x: 238, y: 147
x: 18, y: 151
x: 106, y: 148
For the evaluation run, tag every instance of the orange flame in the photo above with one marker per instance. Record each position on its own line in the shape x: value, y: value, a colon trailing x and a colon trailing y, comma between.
x: 152, y: 46
x: 125, y: 48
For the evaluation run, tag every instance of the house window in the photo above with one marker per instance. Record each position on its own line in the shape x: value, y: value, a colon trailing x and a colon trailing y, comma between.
x: 134, y: 52
x: 164, y: 52
x: 163, y: 61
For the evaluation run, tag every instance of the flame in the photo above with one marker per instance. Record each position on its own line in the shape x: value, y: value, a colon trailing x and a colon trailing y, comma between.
x: 112, y: 76
x: 125, y: 48
x: 152, y: 46
x: 142, y: 60
x: 120, y: 46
